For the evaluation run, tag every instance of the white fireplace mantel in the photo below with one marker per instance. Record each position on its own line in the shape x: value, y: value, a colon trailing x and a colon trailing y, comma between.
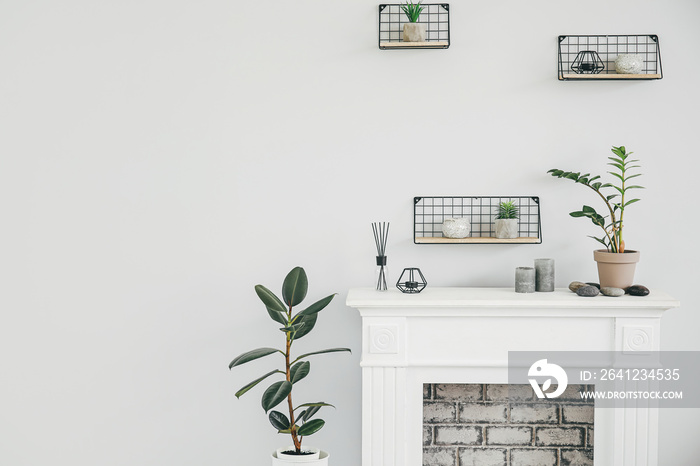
x: 463, y: 335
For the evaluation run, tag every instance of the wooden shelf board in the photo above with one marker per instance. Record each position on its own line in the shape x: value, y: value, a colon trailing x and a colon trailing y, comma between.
x: 610, y: 76
x: 476, y: 240
x: 426, y: 44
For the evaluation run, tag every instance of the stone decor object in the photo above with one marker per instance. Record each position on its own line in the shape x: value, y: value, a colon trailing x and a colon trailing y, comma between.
x: 629, y: 63
x: 456, y: 227
x: 588, y: 291
x: 574, y: 286
x: 637, y: 290
x: 612, y: 291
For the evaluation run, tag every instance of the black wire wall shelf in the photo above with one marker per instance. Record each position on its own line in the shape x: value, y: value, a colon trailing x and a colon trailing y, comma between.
x: 435, y: 17
x: 430, y: 212
x: 605, y: 49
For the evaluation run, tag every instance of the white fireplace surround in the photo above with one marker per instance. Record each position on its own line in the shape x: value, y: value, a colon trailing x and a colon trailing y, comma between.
x: 463, y: 335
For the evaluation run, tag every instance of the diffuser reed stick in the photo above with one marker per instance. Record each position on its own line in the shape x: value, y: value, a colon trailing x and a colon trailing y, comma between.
x: 381, y: 233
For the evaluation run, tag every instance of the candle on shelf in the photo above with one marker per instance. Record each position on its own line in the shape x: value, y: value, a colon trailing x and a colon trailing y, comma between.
x: 524, y: 280
x: 544, y: 274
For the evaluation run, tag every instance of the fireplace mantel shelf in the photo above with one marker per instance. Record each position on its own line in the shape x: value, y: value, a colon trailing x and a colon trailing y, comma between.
x: 464, y: 335
x: 436, y: 302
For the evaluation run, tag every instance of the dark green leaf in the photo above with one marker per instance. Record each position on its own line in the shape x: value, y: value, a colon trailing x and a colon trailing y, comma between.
x: 633, y: 176
x: 316, y: 404
x: 299, y: 371
x: 578, y: 214
x: 311, y: 412
x: 277, y: 316
x: 252, y: 355
x: 331, y: 350
x: 255, y: 382
x: 588, y: 209
x: 634, y: 187
x: 269, y: 299
x: 275, y: 393
x: 309, y: 322
x: 279, y: 421
x: 631, y: 202
x: 311, y: 427
x: 600, y: 240
x: 295, y: 286
x: 292, y: 328
x: 316, y: 307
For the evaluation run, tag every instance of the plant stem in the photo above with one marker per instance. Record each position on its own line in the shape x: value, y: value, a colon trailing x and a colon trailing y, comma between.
x: 620, y: 242
x: 295, y: 438
x: 613, y: 240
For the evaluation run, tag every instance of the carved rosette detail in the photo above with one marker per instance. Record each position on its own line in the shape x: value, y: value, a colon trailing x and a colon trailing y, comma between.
x: 638, y: 339
x: 384, y: 339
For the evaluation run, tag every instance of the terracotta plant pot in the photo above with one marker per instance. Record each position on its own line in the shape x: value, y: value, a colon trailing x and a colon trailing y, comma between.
x: 616, y: 269
x: 320, y: 458
x: 414, y: 32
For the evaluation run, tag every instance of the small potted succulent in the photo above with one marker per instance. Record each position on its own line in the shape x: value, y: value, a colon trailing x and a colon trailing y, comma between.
x: 616, y: 263
x: 506, y: 222
x: 299, y: 422
x: 413, y: 31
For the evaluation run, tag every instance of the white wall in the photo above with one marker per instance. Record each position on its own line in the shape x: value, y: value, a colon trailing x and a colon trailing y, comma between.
x: 160, y: 158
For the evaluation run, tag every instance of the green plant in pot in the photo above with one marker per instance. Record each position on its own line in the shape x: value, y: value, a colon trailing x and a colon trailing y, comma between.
x: 506, y: 222
x: 300, y: 420
x: 616, y: 263
x: 413, y: 31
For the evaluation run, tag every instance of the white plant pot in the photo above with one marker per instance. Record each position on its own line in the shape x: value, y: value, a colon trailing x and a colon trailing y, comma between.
x: 456, y: 227
x: 414, y: 32
x: 319, y: 458
x: 506, y: 228
x: 629, y: 63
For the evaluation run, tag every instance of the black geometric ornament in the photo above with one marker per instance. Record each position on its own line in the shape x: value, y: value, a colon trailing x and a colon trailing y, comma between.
x: 411, y: 281
x: 587, y: 62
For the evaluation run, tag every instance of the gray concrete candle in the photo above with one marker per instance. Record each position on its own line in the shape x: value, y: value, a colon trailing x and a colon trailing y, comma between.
x: 544, y: 271
x: 524, y: 280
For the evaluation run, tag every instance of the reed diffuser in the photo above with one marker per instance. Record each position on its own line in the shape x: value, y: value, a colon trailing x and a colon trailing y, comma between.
x: 381, y: 232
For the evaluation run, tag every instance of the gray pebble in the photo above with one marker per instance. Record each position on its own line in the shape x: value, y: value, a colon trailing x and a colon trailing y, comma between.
x: 574, y: 286
x: 612, y: 291
x: 597, y: 285
x: 637, y: 290
x: 588, y: 291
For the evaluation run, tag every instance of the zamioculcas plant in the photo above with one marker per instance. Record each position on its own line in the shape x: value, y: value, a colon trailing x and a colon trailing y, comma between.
x: 507, y: 210
x: 412, y: 10
x: 299, y: 422
x: 616, y: 203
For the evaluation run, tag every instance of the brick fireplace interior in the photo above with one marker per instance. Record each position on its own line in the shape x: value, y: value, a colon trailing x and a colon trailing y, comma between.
x: 505, y: 425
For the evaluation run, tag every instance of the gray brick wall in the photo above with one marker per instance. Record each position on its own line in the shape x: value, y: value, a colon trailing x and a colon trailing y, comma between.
x: 505, y: 425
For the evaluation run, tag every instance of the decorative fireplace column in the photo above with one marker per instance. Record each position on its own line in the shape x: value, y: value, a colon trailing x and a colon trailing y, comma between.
x: 463, y: 335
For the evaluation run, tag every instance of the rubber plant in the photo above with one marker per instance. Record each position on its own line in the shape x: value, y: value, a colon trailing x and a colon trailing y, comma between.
x: 299, y: 422
x: 412, y: 10
x: 616, y: 203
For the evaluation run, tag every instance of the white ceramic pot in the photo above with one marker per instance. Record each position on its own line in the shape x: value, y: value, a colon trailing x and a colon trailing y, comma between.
x: 629, y: 63
x: 414, y: 32
x: 318, y: 458
x: 506, y: 228
x: 456, y: 227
